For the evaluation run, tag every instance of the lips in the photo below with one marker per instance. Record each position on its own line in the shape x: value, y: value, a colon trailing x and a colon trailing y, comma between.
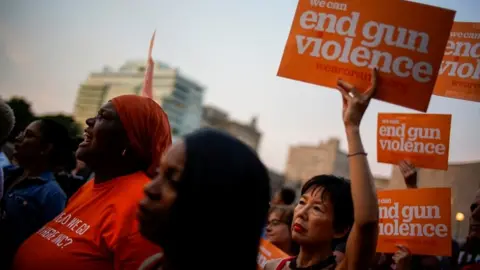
x: 87, y: 138
x: 299, y: 228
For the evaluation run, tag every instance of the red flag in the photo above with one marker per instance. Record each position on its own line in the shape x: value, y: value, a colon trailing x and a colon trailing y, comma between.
x: 147, y: 83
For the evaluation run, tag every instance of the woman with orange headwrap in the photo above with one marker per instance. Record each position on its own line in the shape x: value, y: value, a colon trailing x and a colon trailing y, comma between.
x: 98, y: 229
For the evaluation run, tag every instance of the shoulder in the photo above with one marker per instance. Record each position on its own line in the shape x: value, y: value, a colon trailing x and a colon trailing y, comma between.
x: 129, y: 189
x: 10, y: 169
x: 120, y: 210
x: 53, y: 190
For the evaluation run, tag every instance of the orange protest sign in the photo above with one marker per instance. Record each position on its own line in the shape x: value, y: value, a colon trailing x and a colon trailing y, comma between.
x: 423, y: 139
x: 419, y: 219
x: 459, y: 75
x: 345, y: 39
x: 267, y: 252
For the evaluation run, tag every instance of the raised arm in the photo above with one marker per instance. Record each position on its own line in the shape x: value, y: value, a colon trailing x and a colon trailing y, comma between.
x: 362, y: 242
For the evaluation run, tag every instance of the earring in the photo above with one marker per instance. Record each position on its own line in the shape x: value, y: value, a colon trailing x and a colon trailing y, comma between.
x: 124, y: 152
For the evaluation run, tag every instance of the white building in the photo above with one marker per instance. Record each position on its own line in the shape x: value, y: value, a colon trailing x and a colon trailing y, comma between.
x: 179, y: 96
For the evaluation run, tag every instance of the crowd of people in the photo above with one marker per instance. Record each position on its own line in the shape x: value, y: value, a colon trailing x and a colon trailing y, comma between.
x: 129, y: 199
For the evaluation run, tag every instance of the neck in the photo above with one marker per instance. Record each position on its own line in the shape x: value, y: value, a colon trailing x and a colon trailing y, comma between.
x: 34, y: 170
x: 107, y: 173
x: 285, y: 247
x: 309, y: 256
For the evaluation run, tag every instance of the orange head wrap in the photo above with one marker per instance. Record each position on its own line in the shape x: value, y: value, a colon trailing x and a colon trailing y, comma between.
x: 147, y: 128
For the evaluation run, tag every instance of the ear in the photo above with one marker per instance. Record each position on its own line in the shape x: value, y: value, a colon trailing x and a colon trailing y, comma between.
x: 341, y: 234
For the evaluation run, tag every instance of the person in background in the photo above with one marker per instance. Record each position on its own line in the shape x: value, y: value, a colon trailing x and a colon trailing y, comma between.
x: 278, y: 230
x: 331, y: 207
x: 469, y: 257
x: 286, y: 196
x: 383, y: 261
x: 207, y: 205
x: 32, y: 196
x: 7, y: 121
x: 123, y: 145
x: 69, y: 182
x: 80, y: 169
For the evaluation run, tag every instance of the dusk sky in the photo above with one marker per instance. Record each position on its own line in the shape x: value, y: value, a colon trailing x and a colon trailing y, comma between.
x: 48, y: 47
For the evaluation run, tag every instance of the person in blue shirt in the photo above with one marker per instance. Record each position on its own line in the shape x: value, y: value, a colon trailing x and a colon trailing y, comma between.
x: 32, y: 197
x: 7, y: 121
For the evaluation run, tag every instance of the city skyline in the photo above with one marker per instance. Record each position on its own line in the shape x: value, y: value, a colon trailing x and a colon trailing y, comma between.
x: 48, y: 48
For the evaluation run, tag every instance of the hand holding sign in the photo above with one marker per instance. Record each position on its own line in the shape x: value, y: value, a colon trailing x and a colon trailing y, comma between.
x: 409, y: 173
x: 402, y: 258
x: 354, y: 103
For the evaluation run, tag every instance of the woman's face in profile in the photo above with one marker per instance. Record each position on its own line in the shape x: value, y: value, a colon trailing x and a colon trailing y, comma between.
x: 161, y: 193
x: 278, y: 231
x: 313, y: 218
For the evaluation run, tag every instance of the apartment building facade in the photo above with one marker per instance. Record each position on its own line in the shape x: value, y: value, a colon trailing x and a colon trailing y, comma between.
x: 180, y: 96
x: 306, y: 161
x: 247, y: 133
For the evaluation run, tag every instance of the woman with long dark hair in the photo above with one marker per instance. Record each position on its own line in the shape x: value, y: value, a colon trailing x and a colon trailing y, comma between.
x: 207, y: 206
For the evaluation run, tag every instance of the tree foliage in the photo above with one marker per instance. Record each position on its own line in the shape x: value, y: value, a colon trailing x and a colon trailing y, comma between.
x: 24, y: 116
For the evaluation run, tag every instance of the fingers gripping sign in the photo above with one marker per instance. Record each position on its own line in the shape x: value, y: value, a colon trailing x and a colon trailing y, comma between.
x: 402, y: 258
x: 355, y: 103
x: 409, y: 173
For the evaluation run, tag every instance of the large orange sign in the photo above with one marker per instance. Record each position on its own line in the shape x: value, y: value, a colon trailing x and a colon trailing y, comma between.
x: 460, y: 71
x: 419, y: 219
x: 267, y: 252
x: 347, y: 38
x: 423, y: 139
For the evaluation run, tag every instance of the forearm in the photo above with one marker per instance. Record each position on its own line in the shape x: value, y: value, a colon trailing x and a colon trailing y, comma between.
x: 363, y: 188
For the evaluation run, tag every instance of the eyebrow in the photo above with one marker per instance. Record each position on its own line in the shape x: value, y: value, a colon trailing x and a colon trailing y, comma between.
x: 32, y: 132
x: 315, y: 200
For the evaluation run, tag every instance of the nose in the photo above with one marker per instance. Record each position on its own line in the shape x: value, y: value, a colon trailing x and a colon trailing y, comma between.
x: 90, y: 121
x: 302, y: 212
x: 19, y: 137
x: 152, y: 189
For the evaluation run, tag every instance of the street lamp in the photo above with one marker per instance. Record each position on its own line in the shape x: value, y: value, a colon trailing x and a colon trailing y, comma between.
x: 459, y: 217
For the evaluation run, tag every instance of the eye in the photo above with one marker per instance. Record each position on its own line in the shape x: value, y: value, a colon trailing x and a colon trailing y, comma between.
x: 317, y: 208
x: 169, y: 176
x: 274, y: 222
x: 28, y: 134
x: 301, y: 202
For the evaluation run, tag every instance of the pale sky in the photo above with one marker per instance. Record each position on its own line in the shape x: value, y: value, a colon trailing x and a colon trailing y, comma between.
x: 48, y: 47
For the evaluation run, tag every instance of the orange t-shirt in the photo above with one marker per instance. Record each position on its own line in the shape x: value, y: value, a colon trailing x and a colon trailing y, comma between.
x: 97, y: 230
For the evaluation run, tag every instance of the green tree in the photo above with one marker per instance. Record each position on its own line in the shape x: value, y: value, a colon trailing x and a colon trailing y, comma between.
x: 74, y: 129
x: 23, y: 115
